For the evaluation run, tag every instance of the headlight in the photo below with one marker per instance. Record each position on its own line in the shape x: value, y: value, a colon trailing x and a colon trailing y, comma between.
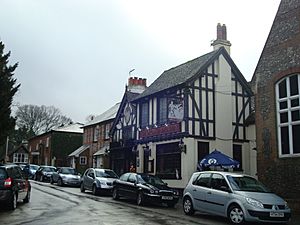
x: 176, y: 192
x: 286, y: 205
x: 255, y: 203
x: 152, y: 191
x: 63, y: 177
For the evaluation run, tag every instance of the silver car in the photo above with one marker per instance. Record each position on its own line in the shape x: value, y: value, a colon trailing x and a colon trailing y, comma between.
x: 98, y: 180
x: 238, y: 197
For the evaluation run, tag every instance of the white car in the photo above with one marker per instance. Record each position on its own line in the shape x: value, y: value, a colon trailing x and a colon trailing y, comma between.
x: 238, y: 197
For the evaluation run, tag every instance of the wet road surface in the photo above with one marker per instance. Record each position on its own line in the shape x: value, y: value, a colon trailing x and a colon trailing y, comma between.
x: 51, y: 204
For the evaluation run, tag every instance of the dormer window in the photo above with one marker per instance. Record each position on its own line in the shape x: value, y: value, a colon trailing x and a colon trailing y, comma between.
x: 288, y: 115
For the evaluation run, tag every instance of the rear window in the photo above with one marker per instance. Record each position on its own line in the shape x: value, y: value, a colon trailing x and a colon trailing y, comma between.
x: 3, y: 174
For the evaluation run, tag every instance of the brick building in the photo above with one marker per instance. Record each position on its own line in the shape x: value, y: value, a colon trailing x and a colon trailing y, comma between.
x: 276, y: 83
x: 53, y: 147
x: 93, y: 152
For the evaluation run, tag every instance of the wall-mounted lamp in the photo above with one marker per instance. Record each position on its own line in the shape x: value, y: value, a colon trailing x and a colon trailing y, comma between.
x: 139, y: 129
x: 182, y: 146
x: 134, y: 149
x: 147, y: 128
x: 107, y: 151
x: 166, y: 124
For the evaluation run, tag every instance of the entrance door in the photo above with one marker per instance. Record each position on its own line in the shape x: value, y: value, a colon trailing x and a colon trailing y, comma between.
x: 203, y: 149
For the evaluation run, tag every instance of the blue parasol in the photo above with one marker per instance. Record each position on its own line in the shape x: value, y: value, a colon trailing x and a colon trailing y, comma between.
x: 217, y: 158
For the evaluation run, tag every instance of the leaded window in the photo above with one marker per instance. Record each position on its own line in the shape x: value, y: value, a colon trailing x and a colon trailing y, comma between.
x: 288, y: 115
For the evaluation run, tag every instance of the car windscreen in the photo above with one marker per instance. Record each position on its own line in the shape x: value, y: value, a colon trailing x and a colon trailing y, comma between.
x: 69, y: 171
x: 34, y: 167
x: 150, y: 179
x: 49, y: 169
x: 3, y: 174
x: 245, y: 183
x: 106, y: 174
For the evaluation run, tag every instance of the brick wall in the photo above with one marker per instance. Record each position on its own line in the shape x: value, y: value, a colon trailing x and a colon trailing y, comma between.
x: 280, y: 58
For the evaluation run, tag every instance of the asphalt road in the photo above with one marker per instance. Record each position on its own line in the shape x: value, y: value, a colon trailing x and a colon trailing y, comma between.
x: 51, y: 204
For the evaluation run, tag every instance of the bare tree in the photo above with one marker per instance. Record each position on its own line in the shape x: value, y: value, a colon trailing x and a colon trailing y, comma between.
x: 40, y: 119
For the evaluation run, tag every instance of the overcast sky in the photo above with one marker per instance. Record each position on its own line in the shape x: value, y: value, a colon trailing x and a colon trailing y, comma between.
x: 76, y: 54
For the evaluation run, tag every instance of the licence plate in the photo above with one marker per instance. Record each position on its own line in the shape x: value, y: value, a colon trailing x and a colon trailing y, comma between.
x: 276, y: 214
x: 167, y: 197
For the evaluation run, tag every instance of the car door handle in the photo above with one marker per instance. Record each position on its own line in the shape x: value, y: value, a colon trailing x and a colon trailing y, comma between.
x: 194, y: 189
x: 209, y: 193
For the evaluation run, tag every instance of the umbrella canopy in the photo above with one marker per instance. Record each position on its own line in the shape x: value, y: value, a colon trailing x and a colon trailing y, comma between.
x: 217, y: 158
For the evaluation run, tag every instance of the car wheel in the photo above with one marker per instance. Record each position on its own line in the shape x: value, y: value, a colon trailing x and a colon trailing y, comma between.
x: 115, y: 194
x: 188, y: 207
x: 60, y: 182
x: 140, y: 198
x: 95, y: 190
x: 13, y: 202
x: 82, y: 187
x: 236, y: 214
x: 27, y: 198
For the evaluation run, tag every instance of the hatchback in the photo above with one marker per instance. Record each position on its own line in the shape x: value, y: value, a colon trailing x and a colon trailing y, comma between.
x: 14, y: 186
x: 65, y: 176
x: 238, y: 197
x: 98, y: 180
x: 44, y: 173
x: 145, y: 188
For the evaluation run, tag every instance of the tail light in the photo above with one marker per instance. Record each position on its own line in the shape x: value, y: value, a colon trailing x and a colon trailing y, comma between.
x: 8, y: 182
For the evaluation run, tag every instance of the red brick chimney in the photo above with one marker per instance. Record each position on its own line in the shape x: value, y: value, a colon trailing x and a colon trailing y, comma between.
x: 136, y: 85
x: 221, y: 40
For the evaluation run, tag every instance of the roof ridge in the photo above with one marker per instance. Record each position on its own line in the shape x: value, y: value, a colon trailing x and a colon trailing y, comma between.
x: 190, y: 60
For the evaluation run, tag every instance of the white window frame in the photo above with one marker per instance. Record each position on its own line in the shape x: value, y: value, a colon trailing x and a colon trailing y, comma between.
x: 23, y: 156
x: 289, y: 109
x: 82, y: 160
x: 47, y: 142
x: 107, y: 129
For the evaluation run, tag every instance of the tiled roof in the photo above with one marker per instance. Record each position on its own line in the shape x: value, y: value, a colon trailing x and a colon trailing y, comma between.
x: 178, y: 75
x: 107, y: 115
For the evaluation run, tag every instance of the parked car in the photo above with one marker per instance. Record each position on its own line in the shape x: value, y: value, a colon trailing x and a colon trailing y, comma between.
x: 65, y: 176
x: 30, y: 170
x: 44, y: 173
x: 98, y: 180
x: 14, y: 186
x: 144, y: 188
x: 238, y: 197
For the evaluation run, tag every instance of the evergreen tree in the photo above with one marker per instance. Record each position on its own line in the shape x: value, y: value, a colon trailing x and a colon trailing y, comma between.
x: 8, y: 89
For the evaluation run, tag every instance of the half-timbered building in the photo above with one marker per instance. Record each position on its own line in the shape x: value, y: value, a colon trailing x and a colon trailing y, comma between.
x: 192, y: 109
x: 124, y: 128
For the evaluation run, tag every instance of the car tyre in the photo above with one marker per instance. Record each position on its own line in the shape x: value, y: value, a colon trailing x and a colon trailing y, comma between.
x: 82, y: 187
x: 27, y: 198
x: 236, y: 214
x: 12, y: 205
x: 115, y: 194
x: 60, y: 182
x: 188, y: 207
x: 95, y: 190
x: 140, y: 198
